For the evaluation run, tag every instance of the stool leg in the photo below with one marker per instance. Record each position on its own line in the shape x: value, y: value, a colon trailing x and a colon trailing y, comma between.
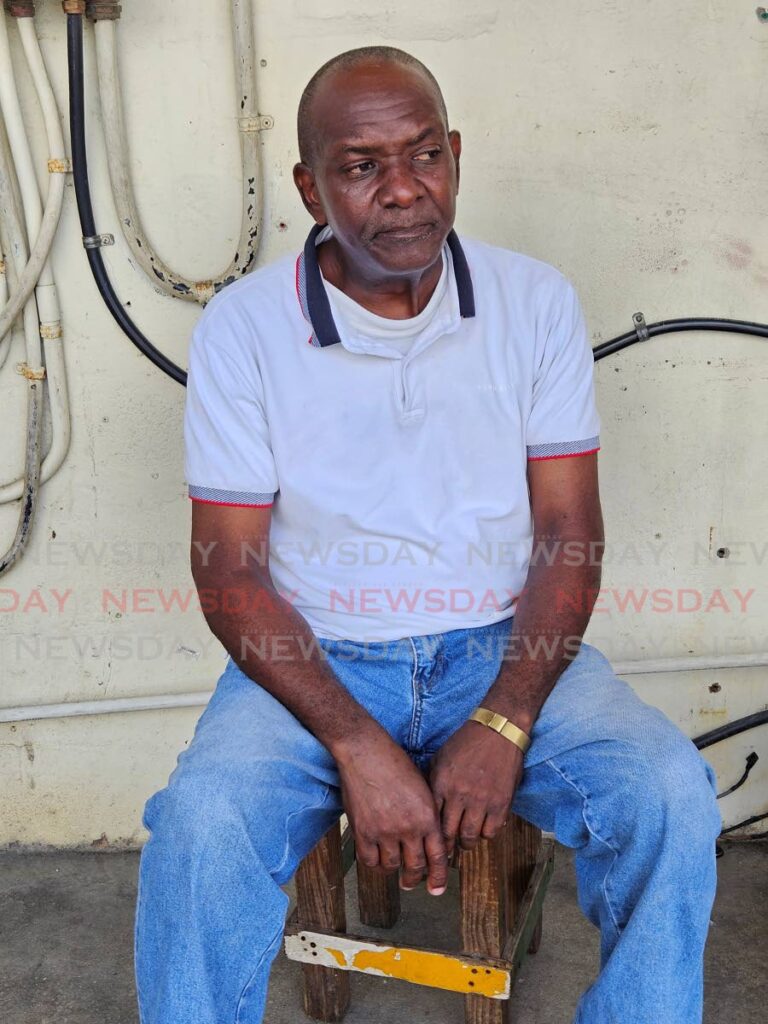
x: 483, y: 881
x: 523, y: 842
x: 320, y: 904
x: 378, y: 897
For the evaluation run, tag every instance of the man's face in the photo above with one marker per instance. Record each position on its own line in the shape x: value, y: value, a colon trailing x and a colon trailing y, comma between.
x: 385, y: 169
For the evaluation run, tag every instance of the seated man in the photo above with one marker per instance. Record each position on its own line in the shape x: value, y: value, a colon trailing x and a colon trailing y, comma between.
x: 391, y: 450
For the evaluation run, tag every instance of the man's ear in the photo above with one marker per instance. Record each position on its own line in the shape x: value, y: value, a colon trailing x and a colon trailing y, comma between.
x: 454, y: 140
x: 305, y: 182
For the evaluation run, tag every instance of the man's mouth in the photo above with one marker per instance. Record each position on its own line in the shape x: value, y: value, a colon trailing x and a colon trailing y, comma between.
x: 411, y: 233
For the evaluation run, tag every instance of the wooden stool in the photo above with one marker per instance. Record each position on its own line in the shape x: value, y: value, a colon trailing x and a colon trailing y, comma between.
x: 502, y: 882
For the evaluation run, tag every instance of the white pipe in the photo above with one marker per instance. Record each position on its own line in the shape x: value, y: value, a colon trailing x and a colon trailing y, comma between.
x: 72, y: 709
x: 163, y: 278
x: 9, y: 277
x: 655, y: 666
x: 4, y: 348
x: 40, y: 227
x: 13, y: 230
x: 14, y: 125
x: 57, y: 169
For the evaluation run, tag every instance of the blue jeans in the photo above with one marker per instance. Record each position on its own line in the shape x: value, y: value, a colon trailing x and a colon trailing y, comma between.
x: 610, y: 776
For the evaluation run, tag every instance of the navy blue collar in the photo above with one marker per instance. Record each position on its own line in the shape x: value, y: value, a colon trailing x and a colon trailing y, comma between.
x: 313, y: 298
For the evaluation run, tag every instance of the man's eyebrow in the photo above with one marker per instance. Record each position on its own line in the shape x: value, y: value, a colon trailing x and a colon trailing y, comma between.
x: 365, y: 150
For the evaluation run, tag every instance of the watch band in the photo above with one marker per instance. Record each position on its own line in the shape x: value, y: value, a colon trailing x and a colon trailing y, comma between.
x: 502, y: 725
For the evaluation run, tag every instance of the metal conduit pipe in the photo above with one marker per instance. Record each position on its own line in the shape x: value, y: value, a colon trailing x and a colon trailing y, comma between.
x: 13, y: 230
x: 57, y: 165
x: 200, y: 698
x: 37, y: 274
x: 164, y: 279
x: 117, y: 705
x: 45, y: 292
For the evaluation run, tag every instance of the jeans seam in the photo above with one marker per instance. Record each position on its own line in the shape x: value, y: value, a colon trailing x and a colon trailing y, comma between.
x: 273, y: 941
x: 274, y: 871
x: 595, y: 835
x: 289, y: 819
x: 139, y: 931
x: 416, y: 720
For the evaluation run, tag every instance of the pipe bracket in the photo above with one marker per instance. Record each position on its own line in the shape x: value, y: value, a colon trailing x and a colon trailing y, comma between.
x: 60, y: 166
x: 97, y: 241
x: 256, y: 124
x: 30, y: 372
x: 641, y: 327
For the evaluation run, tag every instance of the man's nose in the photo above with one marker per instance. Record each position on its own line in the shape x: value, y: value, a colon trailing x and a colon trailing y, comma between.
x: 400, y: 186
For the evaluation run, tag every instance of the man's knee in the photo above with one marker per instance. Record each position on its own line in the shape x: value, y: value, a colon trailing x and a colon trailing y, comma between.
x: 672, y: 790
x: 214, y: 810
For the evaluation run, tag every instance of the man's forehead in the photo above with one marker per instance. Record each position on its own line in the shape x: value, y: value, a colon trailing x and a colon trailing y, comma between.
x: 382, y: 135
x: 352, y: 105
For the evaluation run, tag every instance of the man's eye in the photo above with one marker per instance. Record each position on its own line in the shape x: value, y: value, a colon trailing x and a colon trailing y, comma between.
x: 358, y: 169
x: 428, y: 154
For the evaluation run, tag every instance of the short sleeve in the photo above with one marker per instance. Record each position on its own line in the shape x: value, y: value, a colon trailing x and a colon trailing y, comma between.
x: 564, y: 420
x: 227, y: 454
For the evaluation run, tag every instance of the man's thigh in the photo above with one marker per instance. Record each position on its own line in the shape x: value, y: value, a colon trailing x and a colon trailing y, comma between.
x: 250, y: 761
x: 603, y: 762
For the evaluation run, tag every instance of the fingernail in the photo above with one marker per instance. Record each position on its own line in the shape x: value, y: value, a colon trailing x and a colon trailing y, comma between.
x: 407, y: 888
x: 437, y: 892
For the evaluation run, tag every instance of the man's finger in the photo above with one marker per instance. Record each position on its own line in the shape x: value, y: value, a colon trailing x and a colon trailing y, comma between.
x: 450, y: 820
x: 366, y: 853
x: 493, y: 824
x: 471, y: 826
x: 414, y: 864
x: 389, y: 855
x: 437, y: 863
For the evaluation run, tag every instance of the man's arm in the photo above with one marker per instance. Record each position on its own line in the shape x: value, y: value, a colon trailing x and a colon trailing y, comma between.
x: 476, y: 773
x: 387, y: 800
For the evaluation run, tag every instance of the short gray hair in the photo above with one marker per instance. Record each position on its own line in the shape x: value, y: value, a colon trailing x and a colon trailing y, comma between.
x: 345, y: 62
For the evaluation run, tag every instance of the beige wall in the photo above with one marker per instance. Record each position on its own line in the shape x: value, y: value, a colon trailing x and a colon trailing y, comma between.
x: 623, y: 143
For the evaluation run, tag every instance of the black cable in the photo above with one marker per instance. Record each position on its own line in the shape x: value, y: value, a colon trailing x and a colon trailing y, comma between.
x: 85, y: 209
x: 747, y: 821
x: 607, y: 348
x: 752, y: 760
x: 724, y: 732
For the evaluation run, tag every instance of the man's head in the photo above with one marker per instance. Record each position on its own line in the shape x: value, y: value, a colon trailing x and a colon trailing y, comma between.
x: 378, y: 162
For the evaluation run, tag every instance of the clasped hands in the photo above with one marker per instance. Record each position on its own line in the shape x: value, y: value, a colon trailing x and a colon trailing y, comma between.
x: 404, y: 821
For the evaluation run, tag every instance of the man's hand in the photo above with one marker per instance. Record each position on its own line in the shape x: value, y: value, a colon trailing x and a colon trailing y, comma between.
x: 392, y: 811
x: 474, y: 776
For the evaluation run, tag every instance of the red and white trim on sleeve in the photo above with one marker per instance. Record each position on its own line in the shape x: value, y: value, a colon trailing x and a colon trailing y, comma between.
x: 237, y: 499
x: 563, y: 449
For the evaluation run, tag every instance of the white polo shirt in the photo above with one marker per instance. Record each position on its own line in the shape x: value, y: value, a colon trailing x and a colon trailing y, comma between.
x: 397, y: 478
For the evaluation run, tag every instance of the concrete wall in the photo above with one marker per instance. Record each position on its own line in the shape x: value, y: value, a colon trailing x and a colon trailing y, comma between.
x: 623, y: 143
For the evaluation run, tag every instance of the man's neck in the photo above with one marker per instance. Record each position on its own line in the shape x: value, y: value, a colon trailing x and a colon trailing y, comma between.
x: 396, y: 297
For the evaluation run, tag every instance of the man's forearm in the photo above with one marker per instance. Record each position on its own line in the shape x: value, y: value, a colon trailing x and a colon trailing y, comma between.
x: 551, y: 616
x: 272, y: 643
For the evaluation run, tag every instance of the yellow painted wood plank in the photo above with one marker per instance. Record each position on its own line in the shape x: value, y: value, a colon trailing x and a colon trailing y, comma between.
x: 420, y: 967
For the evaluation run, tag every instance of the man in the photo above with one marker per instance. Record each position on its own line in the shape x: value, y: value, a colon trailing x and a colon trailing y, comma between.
x: 404, y: 422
